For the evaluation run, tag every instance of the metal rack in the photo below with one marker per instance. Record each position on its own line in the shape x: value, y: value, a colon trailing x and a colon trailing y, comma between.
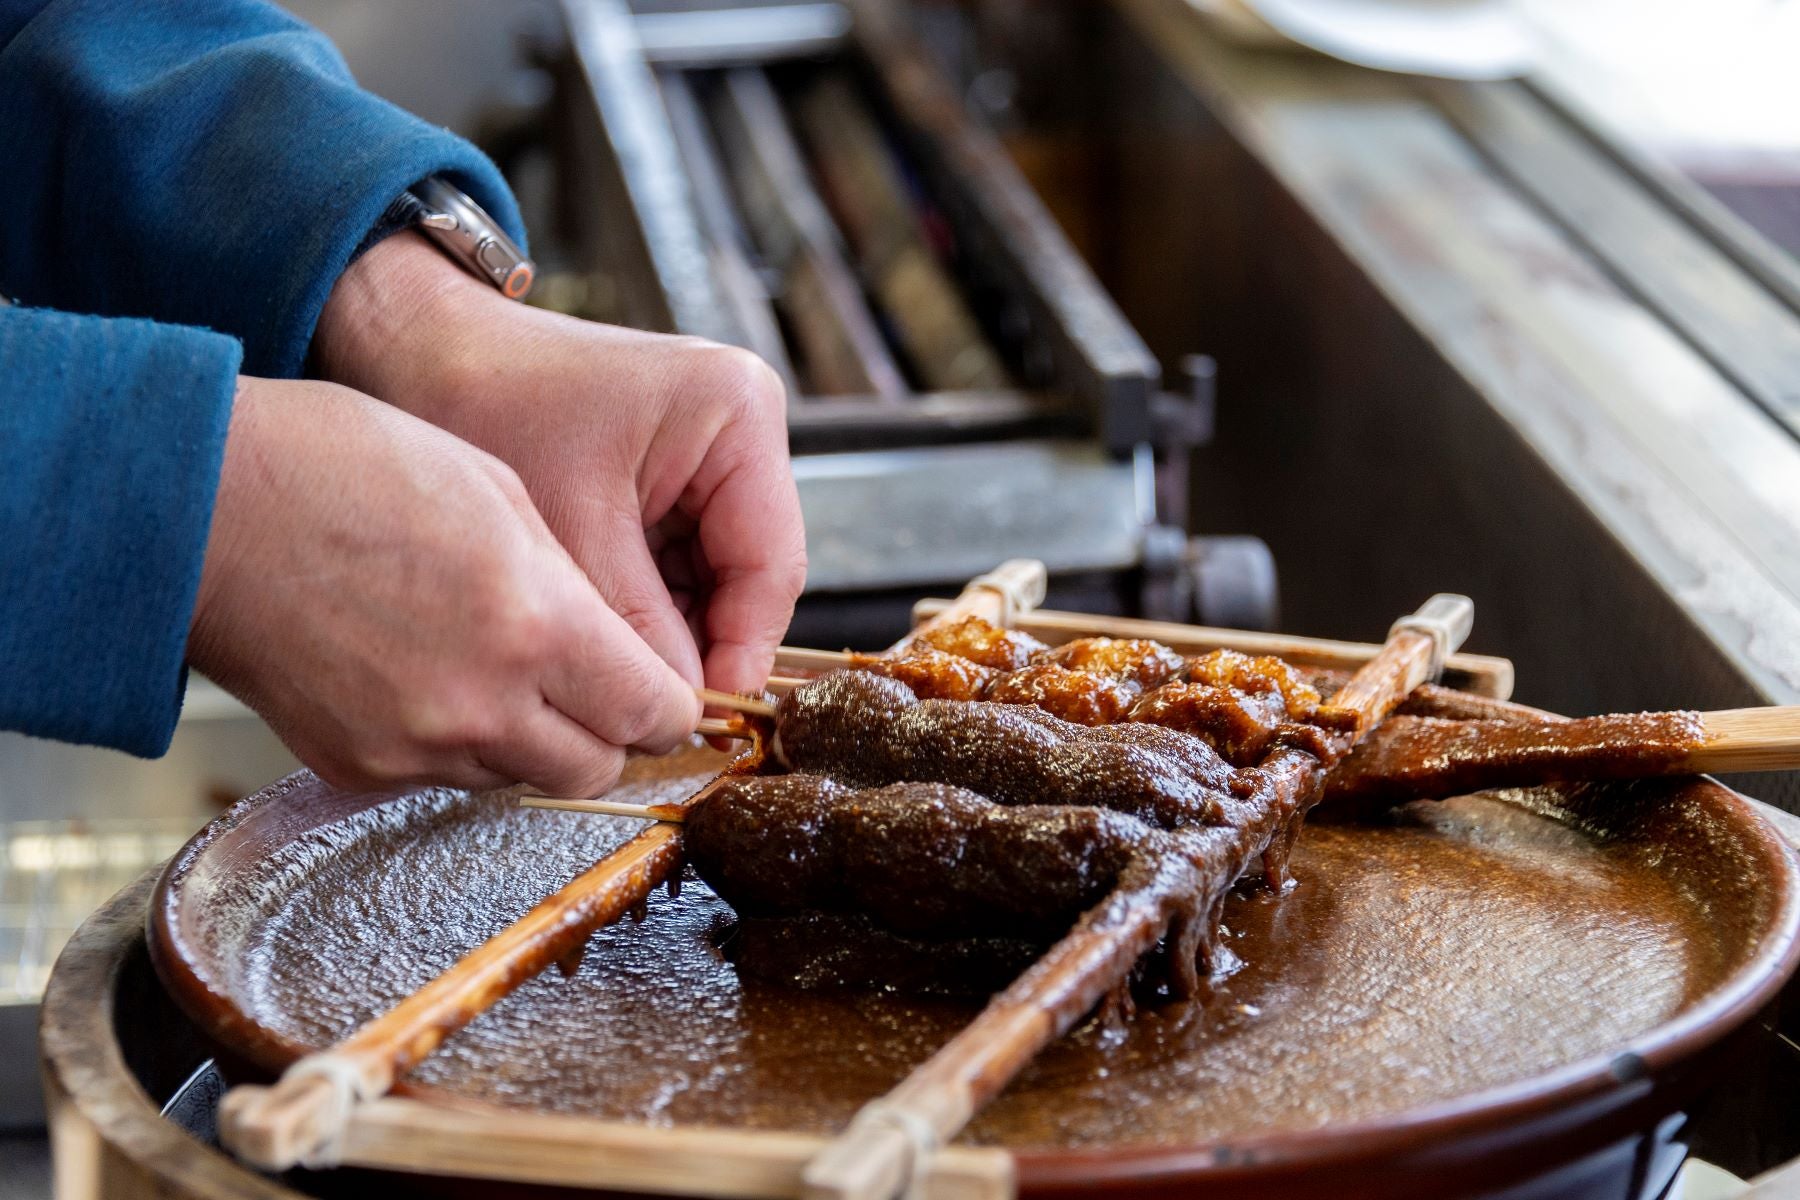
x: 799, y: 179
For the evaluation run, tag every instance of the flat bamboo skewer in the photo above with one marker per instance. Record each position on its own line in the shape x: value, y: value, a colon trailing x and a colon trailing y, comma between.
x: 1737, y: 740
x: 303, y: 1117
x: 555, y: 1149
x: 891, y: 1138
x: 1431, y: 760
x: 1748, y: 739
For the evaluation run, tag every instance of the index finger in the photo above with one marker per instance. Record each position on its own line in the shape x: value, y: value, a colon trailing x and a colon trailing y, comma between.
x: 751, y: 532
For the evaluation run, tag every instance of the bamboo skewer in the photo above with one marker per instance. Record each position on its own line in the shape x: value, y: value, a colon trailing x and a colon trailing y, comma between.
x: 303, y: 1116
x: 892, y: 1138
x: 1739, y: 739
x: 601, y: 806
x: 1429, y: 759
x: 748, y: 705
x: 1748, y: 739
x: 723, y: 727
x: 396, y: 1134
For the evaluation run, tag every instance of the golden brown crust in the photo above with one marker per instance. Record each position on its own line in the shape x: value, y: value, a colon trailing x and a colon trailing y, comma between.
x: 1073, y: 695
x: 982, y: 642
x: 931, y: 673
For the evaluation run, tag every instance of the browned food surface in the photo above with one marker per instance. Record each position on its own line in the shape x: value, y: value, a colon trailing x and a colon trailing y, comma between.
x: 1240, y: 705
x: 1241, y: 726
x: 920, y: 858
x: 981, y: 642
x: 1423, y: 756
x: 929, y: 861
x: 931, y: 672
x: 1136, y: 661
x: 1466, y: 945
x: 867, y: 730
x: 1064, y: 692
x: 1263, y: 673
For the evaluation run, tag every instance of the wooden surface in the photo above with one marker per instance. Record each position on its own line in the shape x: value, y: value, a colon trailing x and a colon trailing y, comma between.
x: 405, y: 1135
x: 109, y: 1141
x: 1747, y: 333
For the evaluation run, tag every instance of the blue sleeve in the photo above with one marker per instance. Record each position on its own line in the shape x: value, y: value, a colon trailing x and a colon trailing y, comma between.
x: 111, y: 436
x: 202, y: 163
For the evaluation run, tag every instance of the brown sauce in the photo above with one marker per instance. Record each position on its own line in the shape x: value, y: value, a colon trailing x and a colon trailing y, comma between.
x: 1461, y: 946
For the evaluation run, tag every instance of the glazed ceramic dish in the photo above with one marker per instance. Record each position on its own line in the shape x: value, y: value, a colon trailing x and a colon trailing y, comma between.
x: 1470, y: 996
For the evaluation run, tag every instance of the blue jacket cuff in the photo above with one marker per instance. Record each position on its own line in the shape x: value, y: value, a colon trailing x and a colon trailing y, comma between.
x: 113, y: 435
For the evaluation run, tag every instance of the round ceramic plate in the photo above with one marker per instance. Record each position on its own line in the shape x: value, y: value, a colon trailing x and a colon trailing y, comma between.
x: 1436, y: 989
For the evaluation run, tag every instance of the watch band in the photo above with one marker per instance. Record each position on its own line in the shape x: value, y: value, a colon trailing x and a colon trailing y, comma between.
x: 402, y: 213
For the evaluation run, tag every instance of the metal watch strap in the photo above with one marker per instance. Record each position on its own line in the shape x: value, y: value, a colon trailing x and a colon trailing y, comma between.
x: 403, y: 213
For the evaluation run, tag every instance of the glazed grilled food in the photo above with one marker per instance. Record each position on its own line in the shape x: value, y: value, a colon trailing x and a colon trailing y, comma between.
x: 1237, y: 704
x: 1429, y: 757
x: 941, y: 794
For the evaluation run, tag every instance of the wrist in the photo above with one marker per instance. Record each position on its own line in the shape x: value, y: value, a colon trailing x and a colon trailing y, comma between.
x: 395, y: 326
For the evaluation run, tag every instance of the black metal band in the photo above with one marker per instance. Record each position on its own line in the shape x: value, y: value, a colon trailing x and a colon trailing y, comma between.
x: 402, y: 213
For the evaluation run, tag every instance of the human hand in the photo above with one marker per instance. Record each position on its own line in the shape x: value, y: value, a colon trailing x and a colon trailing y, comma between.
x: 389, y: 600
x: 660, y: 462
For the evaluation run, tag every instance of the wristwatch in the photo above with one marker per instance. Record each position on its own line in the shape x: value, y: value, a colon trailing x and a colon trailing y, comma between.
x: 462, y: 229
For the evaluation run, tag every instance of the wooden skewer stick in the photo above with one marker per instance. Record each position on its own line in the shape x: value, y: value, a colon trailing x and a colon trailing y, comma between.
x: 1428, y: 759
x: 1748, y: 739
x: 303, y: 1116
x: 600, y: 805
x: 733, y: 702
x: 723, y: 727
x: 396, y: 1134
x: 884, y: 1145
